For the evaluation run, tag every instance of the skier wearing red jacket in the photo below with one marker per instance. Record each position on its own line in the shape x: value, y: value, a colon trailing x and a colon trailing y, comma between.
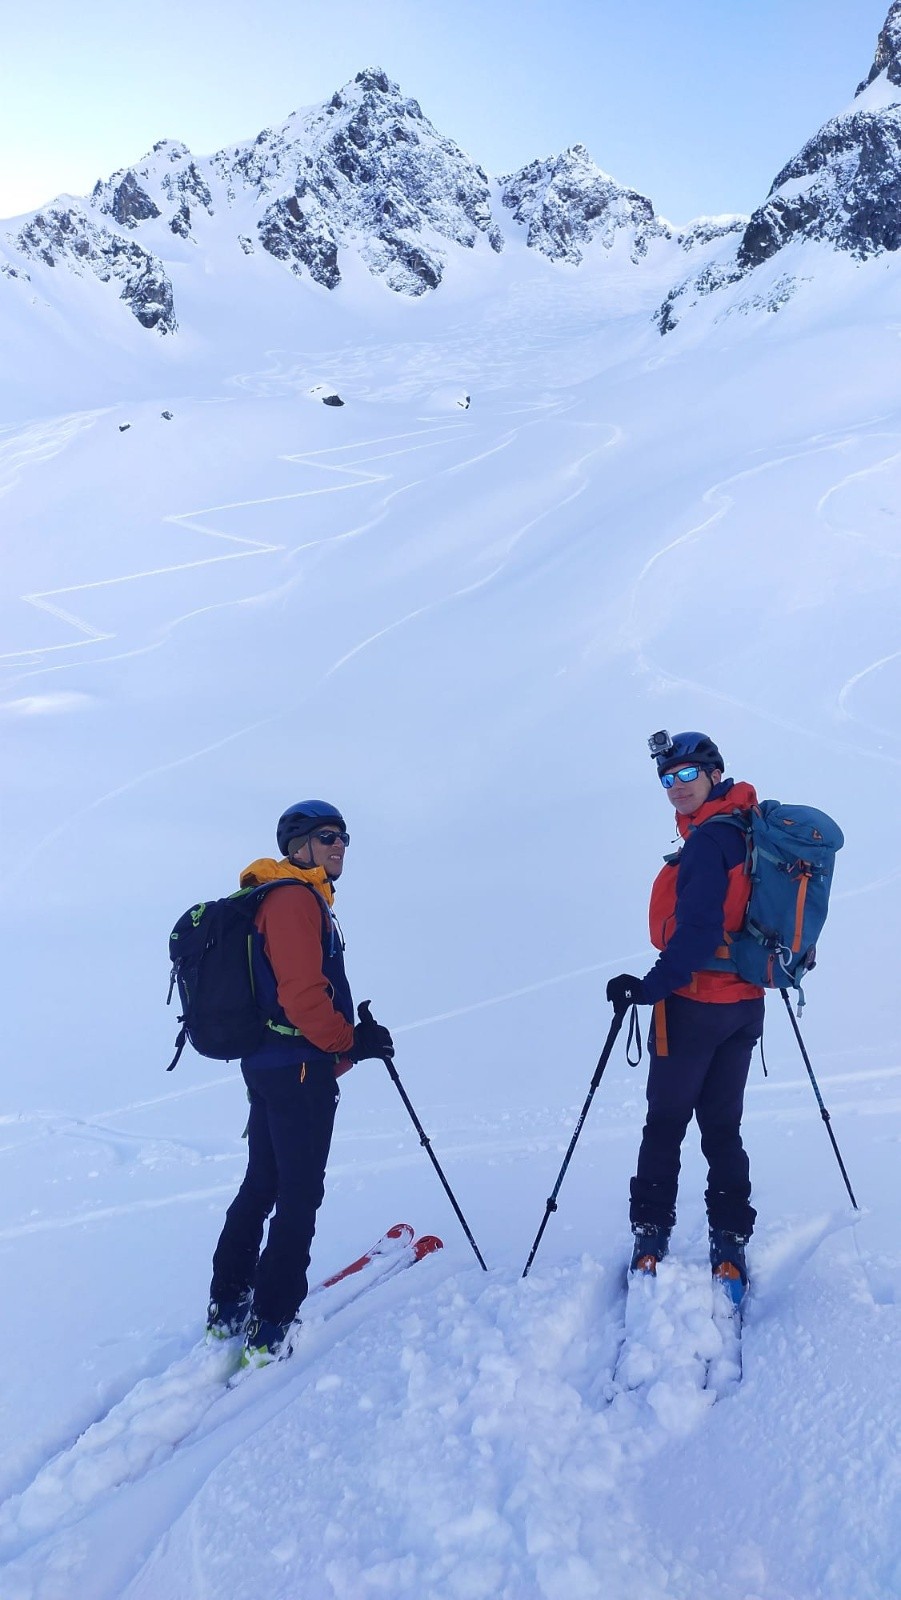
x: 297, y: 961
x: 706, y: 1020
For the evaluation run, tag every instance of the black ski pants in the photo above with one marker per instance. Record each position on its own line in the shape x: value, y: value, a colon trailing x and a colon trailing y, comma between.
x: 289, y: 1131
x: 704, y: 1073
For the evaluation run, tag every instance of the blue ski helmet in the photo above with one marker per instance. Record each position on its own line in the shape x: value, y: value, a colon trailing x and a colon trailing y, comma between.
x: 666, y: 749
x: 303, y: 818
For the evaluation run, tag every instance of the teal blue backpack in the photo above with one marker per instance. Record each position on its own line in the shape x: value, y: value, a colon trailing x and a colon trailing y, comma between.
x: 790, y: 861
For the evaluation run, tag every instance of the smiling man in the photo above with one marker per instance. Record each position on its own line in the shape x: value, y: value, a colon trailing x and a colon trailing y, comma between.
x: 297, y: 959
x: 706, y: 1018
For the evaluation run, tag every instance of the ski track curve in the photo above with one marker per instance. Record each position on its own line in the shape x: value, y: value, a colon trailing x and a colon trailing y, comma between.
x: 357, y: 475
x: 574, y: 468
x: 720, y: 498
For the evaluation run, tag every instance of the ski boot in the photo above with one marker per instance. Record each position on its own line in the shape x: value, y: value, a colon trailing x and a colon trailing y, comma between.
x: 651, y: 1245
x: 265, y: 1342
x: 226, y: 1319
x: 727, y: 1263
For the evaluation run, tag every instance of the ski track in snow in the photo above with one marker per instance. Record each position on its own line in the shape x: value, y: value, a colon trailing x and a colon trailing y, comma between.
x: 531, y: 1411
x: 575, y: 468
x: 722, y: 500
x: 358, y: 476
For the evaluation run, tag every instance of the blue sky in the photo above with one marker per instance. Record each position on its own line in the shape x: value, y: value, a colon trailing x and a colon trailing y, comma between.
x: 697, y: 103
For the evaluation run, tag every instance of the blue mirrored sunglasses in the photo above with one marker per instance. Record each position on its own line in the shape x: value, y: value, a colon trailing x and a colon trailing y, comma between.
x: 684, y: 774
x: 329, y: 835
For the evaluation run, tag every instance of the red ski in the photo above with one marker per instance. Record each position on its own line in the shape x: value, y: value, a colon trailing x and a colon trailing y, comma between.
x: 389, y: 1244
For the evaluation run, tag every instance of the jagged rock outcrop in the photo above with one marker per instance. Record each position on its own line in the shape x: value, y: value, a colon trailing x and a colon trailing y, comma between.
x: 567, y: 202
x: 367, y: 173
x: 888, y: 51
x: 66, y: 237
x: 708, y: 230
x: 368, y: 170
x: 844, y: 187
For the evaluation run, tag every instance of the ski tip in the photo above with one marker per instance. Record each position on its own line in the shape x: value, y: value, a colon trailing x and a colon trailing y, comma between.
x: 427, y: 1245
x: 401, y: 1230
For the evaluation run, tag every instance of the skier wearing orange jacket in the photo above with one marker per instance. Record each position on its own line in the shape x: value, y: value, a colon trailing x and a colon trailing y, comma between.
x: 706, y: 1018
x: 297, y: 961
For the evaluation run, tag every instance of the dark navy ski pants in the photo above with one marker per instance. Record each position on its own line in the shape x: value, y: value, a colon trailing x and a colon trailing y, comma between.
x: 704, y: 1074
x: 289, y: 1131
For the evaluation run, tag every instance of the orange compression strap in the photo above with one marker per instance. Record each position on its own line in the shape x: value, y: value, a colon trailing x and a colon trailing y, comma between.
x: 660, y: 1039
x: 799, y: 911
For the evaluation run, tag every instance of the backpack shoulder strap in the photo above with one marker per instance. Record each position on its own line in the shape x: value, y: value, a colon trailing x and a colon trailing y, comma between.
x: 255, y: 895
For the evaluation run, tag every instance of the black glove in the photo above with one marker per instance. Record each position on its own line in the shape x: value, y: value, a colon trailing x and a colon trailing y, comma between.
x: 372, y: 1042
x: 625, y: 991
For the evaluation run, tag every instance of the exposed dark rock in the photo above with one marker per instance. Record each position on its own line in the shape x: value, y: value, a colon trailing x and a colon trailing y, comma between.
x: 124, y: 427
x: 888, y: 50
x: 844, y: 187
x: 567, y: 202
x: 167, y: 415
x: 705, y: 230
x: 67, y: 237
x: 715, y: 275
x: 180, y: 223
x: 290, y: 235
x: 131, y: 204
x: 332, y: 400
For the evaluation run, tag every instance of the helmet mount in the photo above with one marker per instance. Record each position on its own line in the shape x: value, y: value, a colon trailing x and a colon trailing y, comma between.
x: 667, y: 749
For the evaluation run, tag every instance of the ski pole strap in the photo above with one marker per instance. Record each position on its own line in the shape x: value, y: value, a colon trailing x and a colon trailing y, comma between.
x: 633, y: 1037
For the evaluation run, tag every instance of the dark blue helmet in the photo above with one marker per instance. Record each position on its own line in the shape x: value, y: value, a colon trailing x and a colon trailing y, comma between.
x: 303, y: 818
x: 668, y: 748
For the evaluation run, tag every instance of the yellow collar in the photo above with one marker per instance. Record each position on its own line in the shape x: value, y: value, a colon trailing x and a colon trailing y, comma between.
x: 267, y: 870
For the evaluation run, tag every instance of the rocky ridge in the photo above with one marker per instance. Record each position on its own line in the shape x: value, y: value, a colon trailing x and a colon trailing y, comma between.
x: 365, y: 173
x: 567, y: 203
x: 842, y: 189
x: 367, y: 176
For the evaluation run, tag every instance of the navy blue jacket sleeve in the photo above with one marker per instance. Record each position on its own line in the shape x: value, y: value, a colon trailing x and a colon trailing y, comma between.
x: 701, y: 887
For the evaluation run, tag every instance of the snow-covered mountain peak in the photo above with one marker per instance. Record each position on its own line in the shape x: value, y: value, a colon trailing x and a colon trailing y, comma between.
x: 567, y: 202
x: 842, y: 189
x: 888, y: 51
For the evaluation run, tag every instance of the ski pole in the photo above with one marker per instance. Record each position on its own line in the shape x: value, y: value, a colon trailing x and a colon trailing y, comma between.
x: 426, y: 1145
x: 816, y: 1089
x: 616, y: 1024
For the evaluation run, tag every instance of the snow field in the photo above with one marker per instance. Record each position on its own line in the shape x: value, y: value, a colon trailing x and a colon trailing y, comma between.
x: 463, y: 625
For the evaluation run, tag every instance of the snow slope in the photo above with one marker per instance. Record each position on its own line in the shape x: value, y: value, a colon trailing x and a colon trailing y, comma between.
x: 461, y: 624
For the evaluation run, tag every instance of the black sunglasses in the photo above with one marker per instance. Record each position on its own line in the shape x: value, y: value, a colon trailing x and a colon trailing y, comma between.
x: 329, y: 835
x: 684, y: 774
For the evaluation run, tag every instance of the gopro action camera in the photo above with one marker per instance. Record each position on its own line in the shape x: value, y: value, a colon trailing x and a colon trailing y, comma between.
x: 660, y: 744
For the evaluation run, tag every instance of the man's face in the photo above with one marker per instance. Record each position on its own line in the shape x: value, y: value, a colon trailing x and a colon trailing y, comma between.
x: 687, y: 798
x: 323, y: 848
